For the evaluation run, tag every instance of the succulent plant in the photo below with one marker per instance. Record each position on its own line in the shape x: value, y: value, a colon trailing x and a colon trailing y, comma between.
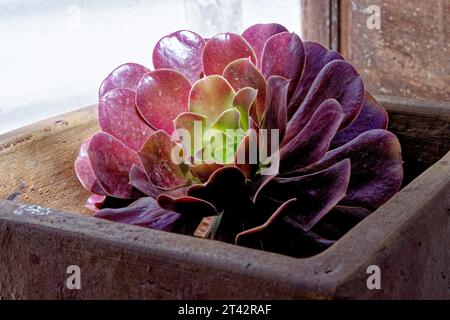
x: 271, y: 141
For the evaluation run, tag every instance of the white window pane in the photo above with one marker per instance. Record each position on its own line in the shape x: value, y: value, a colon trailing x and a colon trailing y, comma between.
x: 54, y: 54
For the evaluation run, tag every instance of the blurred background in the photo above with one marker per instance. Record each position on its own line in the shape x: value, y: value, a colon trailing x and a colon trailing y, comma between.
x: 55, y: 53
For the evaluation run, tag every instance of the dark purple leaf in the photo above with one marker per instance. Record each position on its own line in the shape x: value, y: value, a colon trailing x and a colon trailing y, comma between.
x: 317, y: 193
x: 311, y: 144
x: 377, y: 172
x: 372, y: 116
x: 338, y: 80
x: 317, y: 56
x: 144, y: 212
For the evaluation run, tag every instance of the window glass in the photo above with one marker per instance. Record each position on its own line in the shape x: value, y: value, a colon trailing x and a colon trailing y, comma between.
x: 55, y: 53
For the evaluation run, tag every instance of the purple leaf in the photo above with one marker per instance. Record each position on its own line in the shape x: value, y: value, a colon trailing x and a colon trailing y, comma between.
x: 311, y: 144
x: 317, y: 193
x: 111, y: 162
x: 284, y: 55
x: 144, y: 212
x: 258, y: 34
x: 317, y: 56
x: 275, y: 116
x: 95, y: 202
x: 223, y: 185
x: 204, y: 170
x: 338, y: 80
x: 126, y: 76
x: 222, y: 49
x: 162, y: 95
x: 140, y: 180
x: 372, y: 116
x: 117, y: 115
x: 377, y: 172
x: 180, y: 51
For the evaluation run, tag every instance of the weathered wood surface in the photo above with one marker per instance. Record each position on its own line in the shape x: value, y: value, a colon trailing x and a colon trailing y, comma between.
x: 37, y: 161
x: 409, y: 56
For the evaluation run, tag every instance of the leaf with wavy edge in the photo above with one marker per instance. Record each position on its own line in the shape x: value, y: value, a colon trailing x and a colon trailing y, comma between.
x: 144, y: 212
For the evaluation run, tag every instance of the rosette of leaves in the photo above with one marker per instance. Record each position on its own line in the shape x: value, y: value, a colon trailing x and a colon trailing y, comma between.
x: 336, y: 162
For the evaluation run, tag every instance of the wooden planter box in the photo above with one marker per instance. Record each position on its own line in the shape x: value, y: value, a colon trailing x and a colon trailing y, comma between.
x: 408, y: 237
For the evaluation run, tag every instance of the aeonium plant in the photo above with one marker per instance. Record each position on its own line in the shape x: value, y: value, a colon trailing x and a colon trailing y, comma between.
x: 261, y: 139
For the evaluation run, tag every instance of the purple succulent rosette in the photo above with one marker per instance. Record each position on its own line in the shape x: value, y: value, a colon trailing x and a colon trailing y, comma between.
x: 336, y: 162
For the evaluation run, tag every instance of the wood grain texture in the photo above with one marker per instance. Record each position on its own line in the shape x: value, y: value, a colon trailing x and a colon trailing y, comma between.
x: 409, y: 56
x: 37, y: 161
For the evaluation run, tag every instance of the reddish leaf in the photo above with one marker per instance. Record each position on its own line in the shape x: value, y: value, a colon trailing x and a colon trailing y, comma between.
x: 162, y: 95
x: 126, y: 76
x: 111, y: 162
x: 372, y: 116
x: 180, y: 51
x: 284, y: 55
x: 117, y: 115
x: 242, y: 73
x: 258, y: 34
x: 222, y: 49
x: 84, y: 171
x: 156, y: 156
